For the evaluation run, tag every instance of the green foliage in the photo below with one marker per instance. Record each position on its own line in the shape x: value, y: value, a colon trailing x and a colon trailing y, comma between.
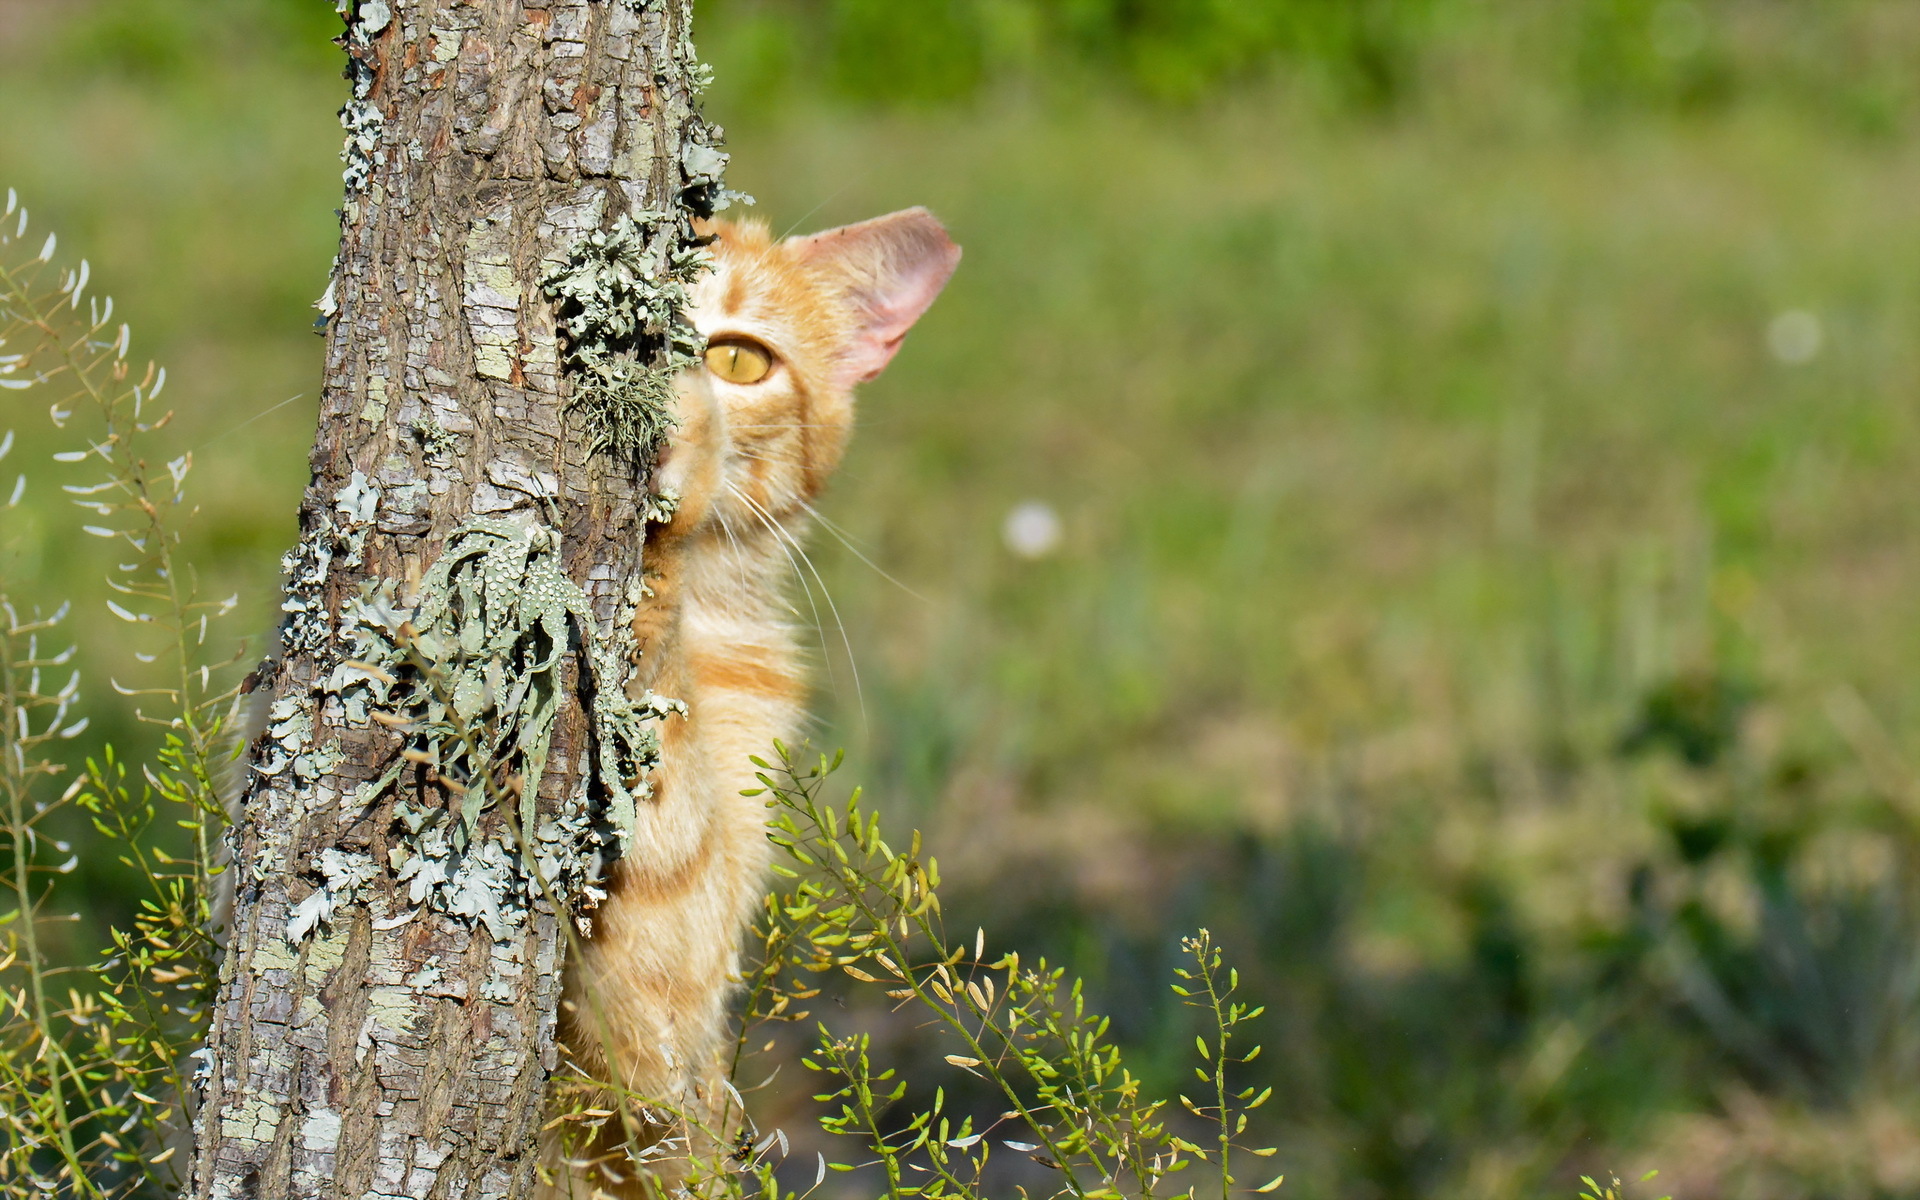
x: 1696, y: 715
x: 93, y: 1053
x: 1180, y: 50
x: 1209, y: 991
x: 165, y: 42
x: 1613, y: 1189
x: 1359, y: 55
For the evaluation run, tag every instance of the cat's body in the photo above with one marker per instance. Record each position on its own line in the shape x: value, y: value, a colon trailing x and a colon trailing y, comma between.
x: 792, y: 327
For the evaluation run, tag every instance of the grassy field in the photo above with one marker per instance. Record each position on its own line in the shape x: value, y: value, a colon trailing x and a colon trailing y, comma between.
x: 1486, y: 577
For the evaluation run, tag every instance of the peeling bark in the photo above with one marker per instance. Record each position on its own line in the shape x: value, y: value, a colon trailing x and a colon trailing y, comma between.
x: 364, y: 1042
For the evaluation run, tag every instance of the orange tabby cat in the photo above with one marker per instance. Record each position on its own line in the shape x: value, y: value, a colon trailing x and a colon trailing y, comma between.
x: 792, y: 326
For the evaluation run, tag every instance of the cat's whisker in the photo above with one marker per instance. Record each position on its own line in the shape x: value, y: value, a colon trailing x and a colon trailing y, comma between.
x: 819, y: 626
x: 259, y: 416
x: 787, y: 425
x: 841, y: 536
x: 767, y: 458
x: 743, y: 570
x: 739, y: 555
x: 781, y: 534
x: 808, y: 215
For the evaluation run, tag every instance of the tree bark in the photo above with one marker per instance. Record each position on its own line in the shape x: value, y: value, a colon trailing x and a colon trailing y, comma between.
x: 380, y: 1028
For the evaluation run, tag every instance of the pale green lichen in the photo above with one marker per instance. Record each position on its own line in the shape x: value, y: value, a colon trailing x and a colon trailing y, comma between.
x: 661, y: 506
x: 360, y: 117
x: 306, y: 565
x: 469, y: 673
x: 255, y: 1119
x: 327, y: 952
x: 624, y: 316
x: 344, y: 874
x: 435, y: 438
x: 357, y: 504
x: 374, y: 410
x: 270, y: 955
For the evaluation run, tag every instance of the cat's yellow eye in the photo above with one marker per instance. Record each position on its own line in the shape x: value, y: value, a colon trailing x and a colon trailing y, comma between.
x: 739, y: 361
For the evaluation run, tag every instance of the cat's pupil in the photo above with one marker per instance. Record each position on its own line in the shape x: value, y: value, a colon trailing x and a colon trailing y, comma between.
x: 739, y: 362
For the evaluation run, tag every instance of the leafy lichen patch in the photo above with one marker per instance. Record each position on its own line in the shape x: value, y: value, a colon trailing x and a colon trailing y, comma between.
x: 344, y: 874
x: 360, y: 117
x: 622, y: 310
x: 469, y: 673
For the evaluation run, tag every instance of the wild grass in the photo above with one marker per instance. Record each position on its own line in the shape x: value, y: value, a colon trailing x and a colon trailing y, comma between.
x: 95, y: 1042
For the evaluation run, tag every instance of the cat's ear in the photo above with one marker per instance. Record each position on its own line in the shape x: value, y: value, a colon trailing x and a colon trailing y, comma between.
x: 889, y: 270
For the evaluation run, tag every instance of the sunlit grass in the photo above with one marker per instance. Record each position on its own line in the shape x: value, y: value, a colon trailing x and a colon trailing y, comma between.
x: 1430, y: 488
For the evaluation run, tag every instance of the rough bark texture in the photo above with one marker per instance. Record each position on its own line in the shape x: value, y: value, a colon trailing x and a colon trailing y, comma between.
x: 366, y: 1043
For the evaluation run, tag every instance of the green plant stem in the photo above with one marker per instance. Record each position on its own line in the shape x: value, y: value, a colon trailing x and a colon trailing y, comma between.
x: 861, y: 1087
x: 13, y: 749
x: 1208, y: 967
x: 855, y: 887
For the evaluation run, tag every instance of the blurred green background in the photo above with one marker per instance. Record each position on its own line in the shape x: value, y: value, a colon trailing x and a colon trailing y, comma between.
x: 1466, y: 457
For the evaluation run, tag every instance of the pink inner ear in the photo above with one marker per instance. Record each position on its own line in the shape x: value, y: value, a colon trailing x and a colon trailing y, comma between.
x: 893, y: 267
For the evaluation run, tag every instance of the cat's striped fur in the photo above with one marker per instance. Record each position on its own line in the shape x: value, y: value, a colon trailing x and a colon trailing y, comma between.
x: 647, y: 993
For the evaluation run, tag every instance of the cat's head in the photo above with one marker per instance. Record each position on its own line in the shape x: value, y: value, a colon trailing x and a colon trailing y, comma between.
x: 792, y: 327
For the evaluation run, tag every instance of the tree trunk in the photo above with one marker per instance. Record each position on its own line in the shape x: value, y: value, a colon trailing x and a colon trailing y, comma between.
x: 445, y: 761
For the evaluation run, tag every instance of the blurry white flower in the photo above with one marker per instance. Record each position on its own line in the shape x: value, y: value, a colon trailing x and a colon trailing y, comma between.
x: 1794, y: 336
x: 1032, y: 529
